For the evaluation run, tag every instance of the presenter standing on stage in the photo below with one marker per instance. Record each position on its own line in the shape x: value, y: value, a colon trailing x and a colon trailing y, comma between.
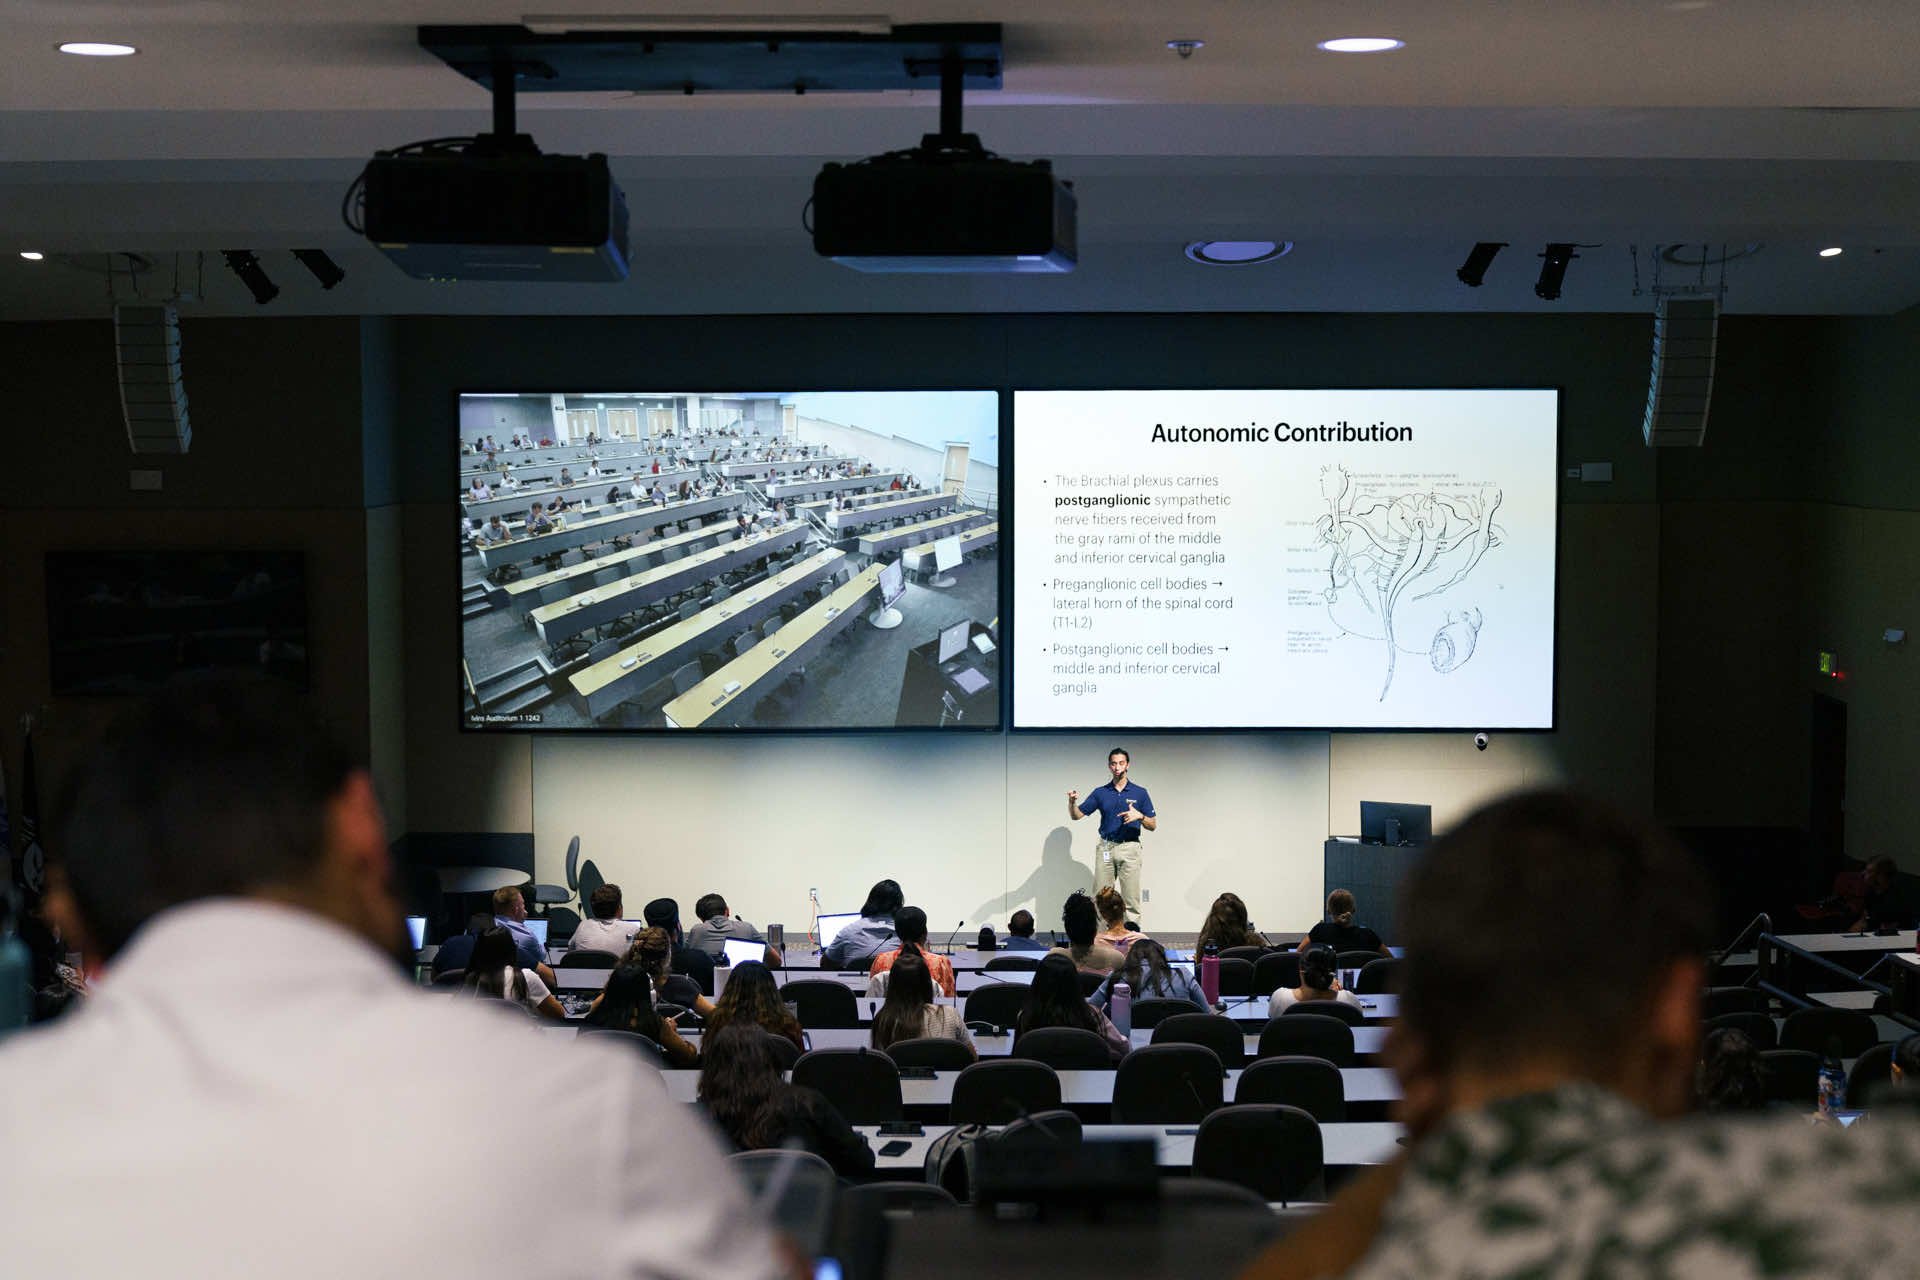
x: 1125, y: 808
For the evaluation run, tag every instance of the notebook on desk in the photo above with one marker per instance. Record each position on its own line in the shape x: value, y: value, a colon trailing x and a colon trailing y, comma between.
x: 969, y: 680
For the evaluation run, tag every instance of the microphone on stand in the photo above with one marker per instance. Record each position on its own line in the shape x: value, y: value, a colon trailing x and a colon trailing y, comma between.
x: 956, y: 933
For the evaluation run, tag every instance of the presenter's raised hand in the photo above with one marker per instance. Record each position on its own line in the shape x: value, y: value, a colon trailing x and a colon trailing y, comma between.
x: 1132, y: 813
x: 1073, y: 797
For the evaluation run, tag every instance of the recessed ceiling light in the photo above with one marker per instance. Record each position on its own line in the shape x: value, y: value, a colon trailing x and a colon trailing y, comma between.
x: 31, y: 255
x: 1362, y: 44
x: 96, y: 49
x: 1237, y: 253
x: 1834, y: 252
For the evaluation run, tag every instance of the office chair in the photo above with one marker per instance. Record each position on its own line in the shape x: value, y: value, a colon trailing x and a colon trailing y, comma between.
x: 1718, y: 1000
x: 1065, y: 1049
x: 1379, y: 976
x: 1810, y: 1029
x: 997, y: 1006
x: 863, y: 1086
x: 1152, y: 1011
x: 1275, y: 970
x: 1757, y: 1027
x: 1793, y: 1075
x: 1222, y: 1035
x: 1327, y: 1009
x: 1327, y: 1038
x: 822, y: 1004
x: 1167, y: 1084
x: 998, y: 1090
x: 937, y: 1052
x: 1272, y: 1149
x: 1312, y: 1084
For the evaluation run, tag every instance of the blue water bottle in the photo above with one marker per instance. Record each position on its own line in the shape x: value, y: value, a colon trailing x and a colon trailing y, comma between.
x: 1833, y: 1081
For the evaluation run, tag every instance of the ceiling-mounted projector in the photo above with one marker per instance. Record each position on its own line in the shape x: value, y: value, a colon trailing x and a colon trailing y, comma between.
x: 947, y: 205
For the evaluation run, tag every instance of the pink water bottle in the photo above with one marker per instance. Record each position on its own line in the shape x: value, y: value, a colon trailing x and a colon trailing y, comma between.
x: 1210, y: 971
x: 1120, y: 1007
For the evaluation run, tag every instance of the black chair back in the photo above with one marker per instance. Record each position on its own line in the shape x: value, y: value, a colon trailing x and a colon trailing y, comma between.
x: 1327, y: 1038
x: 1250, y: 954
x: 1090, y: 981
x: 1312, y: 1084
x: 998, y: 1005
x: 1222, y: 1035
x: 588, y: 880
x: 902, y: 1199
x: 1275, y: 970
x: 1327, y: 1009
x: 1757, y: 1027
x: 822, y: 1004
x: 1378, y: 976
x: 1154, y: 1010
x: 1023, y: 964
x: 561, y: 923
x: 1167, y: 1084
x: 863, y: 1086
x: 785, y: 1052
x: 1210, y: 1196
x: 1274, y: 1150
x: 937, y: 1052
x: 1357, y: 959
x: 573, y: 865
x: 646, y: 1046
x: 451, y: 978
x: 996, y: 1092
x: 1793, y: 1075
x: 1809, y: 1029
x: 1871, y: 1074
x: 589, y: 960
x: 1065, y: 1049
x: 1236, y: 976
x: 1718, y: 1000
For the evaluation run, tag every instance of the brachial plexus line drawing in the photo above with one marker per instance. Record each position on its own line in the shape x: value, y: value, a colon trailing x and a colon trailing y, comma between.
x: 1391, y: 549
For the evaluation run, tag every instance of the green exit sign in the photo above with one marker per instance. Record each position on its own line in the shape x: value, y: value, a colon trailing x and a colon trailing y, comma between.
x: 1829, y: 664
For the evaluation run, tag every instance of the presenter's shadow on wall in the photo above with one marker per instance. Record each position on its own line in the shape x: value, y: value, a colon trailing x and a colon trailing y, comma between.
x: 1046, y: 886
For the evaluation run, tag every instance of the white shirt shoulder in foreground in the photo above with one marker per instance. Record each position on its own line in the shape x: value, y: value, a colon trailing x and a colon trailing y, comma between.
x: 253, y: 1091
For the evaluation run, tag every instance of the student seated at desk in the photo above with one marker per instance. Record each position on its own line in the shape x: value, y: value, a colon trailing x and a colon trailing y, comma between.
x: 1340, y: 932
x: 1054, y: 1000
x: 491, y: 972
x: 1113, y: 915
x: 478, y: 491
x: 664, y: 913
x: 566, y: 478
x: 456, y: 951
x: 493, y: 532
x: 605, y: 930
x: 613, y: 496
x: 1226, y: 926
x: 1081, y: 923
x: 537, y: 521
x: 626, y: 1004
x: 741, y: 1088
x: 910, y: 925
x: 862, y: 940
x: 752, y: 997
x: 1148, y: 975
x: 910, y: 1012
x: 1730, y: 1076
x: 653, y: 951
x: 717, y: 925
x: 1317, y: 982
x: 508, y: 483
x: 1020, y: 933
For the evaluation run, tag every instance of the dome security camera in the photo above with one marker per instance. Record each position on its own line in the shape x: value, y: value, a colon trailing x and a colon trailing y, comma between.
x: 1480, y: 741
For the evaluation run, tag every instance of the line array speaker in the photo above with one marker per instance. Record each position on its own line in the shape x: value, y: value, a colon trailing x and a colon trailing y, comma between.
x: 152, y: 396
x: 1685, y: 331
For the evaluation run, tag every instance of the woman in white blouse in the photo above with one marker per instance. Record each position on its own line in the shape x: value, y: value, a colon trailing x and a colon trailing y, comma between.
x: 492, y: 972
x: 910, y: 1013
x: 1318, y: 981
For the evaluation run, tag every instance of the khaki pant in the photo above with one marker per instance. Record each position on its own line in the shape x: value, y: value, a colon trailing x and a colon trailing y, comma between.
x: 1118, y: 862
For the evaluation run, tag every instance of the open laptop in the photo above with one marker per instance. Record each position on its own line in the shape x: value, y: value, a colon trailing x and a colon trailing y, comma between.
x: 739, y: 951
x: 417, y: 931
x: 538, y: 928
x: 829, y: 927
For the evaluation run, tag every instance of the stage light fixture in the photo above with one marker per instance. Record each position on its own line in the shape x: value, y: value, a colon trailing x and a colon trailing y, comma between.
x: 324, y: 269
x: 243, y: 264
x: 1553, y: 269
x: 1474, y: 269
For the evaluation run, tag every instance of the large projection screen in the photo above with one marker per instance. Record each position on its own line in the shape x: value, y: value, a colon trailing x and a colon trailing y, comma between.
x: 1368, y: 559
x: 728, y: 560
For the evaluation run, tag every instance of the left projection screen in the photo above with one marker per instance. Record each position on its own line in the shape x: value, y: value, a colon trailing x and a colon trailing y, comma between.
x: 729, y: 560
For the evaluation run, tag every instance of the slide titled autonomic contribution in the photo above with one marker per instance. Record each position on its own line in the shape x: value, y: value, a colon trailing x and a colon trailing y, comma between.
x: 1296, y: 558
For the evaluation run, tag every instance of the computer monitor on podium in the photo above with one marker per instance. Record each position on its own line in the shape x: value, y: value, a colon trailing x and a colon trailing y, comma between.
x: 953, y: 640
x: 946, y: 555
x: 893, y: 585
x: 1382, y: 822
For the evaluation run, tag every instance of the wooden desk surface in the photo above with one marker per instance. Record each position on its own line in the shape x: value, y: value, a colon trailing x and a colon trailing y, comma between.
x: 616, y: 598
x: 893, y: 508
x: 590, y: 681
x: 706, y: 699
x: 613, y: 559
x: 985, y: 535
x: 924, y: 531
x: 578, y: 533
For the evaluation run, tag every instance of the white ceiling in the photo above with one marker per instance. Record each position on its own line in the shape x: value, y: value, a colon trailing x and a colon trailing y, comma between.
x: 1609, y: 122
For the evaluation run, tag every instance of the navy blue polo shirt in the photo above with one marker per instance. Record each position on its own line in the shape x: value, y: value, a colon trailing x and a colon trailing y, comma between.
x: 1112, y: 803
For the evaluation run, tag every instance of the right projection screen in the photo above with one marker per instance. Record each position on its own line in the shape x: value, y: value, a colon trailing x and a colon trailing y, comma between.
x: 1369, y: 559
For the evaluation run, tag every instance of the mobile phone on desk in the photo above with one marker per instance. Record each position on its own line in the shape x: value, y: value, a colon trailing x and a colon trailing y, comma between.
x: 898, y: 1147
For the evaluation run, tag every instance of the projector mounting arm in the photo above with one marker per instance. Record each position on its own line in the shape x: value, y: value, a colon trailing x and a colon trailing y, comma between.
x: 952, y: 68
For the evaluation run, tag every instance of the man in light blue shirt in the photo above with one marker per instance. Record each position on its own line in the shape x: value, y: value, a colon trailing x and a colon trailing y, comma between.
x: 510, y: 913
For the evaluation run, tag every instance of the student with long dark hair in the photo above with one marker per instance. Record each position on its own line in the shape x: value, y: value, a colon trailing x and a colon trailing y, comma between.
x: 626, y: 1004
x: 1149, y: 976
x: 1731, y: 1076
x: 1081, y: 924
x: 753, y: 998
x: 1318, y: 982
x: 910, y: 1011
x: 741, y: 1088
x: 866, y: 937
x: 1227, y: 925
x: 1054, y: 1000
x: 492, y: 972
x: 652, y: 950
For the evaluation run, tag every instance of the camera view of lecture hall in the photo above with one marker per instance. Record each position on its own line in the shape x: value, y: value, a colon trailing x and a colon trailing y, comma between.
x: 729, y: 561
